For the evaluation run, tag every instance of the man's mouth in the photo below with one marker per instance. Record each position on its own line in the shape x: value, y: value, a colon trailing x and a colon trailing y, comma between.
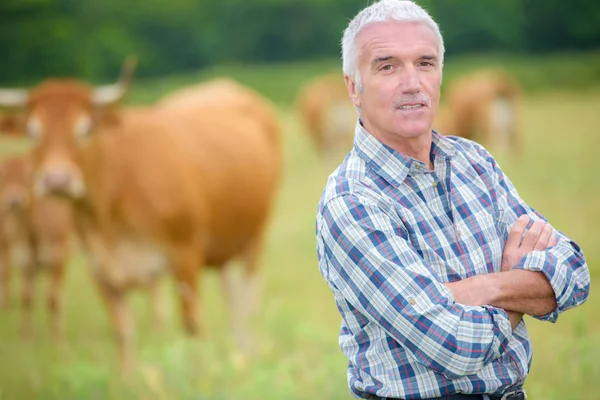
x: 411, y: 106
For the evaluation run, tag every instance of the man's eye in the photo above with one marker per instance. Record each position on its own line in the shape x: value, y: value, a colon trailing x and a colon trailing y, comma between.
x: 386, y: 67
x: 426, y: 64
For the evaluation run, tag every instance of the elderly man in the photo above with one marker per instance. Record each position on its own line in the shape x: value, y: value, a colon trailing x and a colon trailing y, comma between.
x: 432, y: 256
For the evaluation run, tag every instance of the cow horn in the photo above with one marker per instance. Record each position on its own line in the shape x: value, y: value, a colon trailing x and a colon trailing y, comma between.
x: 110, y: 94
x: 13, y: 98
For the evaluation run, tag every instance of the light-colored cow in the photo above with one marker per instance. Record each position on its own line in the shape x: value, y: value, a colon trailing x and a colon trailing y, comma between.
x: 483, y: 106
x: 35, y: 236
x: 328, y: 115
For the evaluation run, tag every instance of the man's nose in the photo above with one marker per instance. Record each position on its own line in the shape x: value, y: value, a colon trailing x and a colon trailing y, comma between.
x: 410, y: 81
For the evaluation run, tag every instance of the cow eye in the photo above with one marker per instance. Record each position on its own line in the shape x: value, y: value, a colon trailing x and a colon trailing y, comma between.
x: 83, y: 127
x: 34, y: 128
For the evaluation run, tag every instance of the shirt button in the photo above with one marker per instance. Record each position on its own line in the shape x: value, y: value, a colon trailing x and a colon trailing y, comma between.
x: 417, y: 166
x: 412, y: 302
x: 434, y: 184
x: 458, y: 232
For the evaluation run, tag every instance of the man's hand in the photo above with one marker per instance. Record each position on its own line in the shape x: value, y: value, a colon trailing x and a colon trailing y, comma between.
x: 538, y: 237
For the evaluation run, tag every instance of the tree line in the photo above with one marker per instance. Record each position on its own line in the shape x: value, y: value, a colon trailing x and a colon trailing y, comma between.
x: 90, y: 38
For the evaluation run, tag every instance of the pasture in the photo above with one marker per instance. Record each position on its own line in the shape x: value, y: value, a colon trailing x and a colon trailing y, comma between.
x: 296, y: 329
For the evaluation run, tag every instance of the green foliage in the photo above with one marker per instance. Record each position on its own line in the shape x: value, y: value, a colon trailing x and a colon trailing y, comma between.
x: 90, y: 38
x: 481, y: 25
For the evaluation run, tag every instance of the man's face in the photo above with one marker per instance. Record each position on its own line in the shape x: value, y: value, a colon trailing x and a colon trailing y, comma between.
x: 401, y: 77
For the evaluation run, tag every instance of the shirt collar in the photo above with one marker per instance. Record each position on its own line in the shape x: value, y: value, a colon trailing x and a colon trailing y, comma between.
x: 393, y: 166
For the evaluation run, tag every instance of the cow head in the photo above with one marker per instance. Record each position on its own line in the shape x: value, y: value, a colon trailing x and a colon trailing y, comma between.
x: 61, y: 116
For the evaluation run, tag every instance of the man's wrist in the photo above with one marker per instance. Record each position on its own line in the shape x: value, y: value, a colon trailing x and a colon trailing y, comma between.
x: 487, y: 289
x: 477, y: 290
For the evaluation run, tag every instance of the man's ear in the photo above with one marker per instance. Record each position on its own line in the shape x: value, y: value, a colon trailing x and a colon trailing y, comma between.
x: 12, y: 124
x: 352, y: 90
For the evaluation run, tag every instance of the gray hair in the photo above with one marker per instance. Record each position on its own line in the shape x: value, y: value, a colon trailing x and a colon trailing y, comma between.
x: 383, y: 10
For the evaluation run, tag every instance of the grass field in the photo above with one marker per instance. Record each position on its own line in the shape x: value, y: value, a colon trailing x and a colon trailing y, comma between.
x: 559, y: 174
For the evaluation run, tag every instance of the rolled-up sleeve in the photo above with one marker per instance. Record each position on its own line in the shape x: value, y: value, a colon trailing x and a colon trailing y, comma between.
x: 563, y: 265
x: 366, y: 255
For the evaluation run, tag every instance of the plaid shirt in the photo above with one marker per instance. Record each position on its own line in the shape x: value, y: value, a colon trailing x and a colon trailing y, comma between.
x: 390, y: 232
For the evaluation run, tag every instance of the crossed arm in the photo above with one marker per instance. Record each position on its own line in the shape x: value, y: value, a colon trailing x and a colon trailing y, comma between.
x: 541, y: 275
x: 514, y: 290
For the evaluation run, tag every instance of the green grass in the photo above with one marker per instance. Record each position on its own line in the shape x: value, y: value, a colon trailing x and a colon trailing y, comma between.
x: 298, y: 323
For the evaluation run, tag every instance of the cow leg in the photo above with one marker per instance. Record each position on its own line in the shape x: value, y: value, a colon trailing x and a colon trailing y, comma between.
x: 329, y: 146
x: 122, y: 322
x: 4, y: 280
x: 54, y: 298
x: 243, y: 295
x: 235, y: 298
x: 27, y: 301
x: 515, y: 141
x: 157, y: 299
x: 186, y: 267
x: 252, y: 277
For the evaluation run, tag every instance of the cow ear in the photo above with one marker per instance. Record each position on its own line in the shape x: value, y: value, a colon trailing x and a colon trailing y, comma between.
x: 12, y: 124
x: 106, y: 117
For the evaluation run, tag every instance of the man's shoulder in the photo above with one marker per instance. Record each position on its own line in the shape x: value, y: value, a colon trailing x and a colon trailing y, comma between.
x: 470, y: 151
x: 350, y: 178
x: 345, y: 179
x: 463, y: 145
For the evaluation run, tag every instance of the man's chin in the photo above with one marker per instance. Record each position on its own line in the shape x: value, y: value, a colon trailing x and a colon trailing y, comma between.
x: 414, y: 130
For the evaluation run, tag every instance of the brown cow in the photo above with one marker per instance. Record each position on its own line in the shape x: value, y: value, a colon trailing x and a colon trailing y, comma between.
x: 223, y: 91
x: 327, y: 113
x: 483, y: 106
x: 208, y: 104
x: 35, y: 235
x: 153, y: 189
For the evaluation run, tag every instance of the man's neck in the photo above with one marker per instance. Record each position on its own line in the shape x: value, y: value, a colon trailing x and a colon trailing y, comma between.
x: 418, y: 148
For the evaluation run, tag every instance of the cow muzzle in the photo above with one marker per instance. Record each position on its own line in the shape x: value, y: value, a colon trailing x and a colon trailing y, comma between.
x: 59, y: 182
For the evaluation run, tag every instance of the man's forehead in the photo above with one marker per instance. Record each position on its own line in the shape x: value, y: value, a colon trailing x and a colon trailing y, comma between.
x: 392, y: 35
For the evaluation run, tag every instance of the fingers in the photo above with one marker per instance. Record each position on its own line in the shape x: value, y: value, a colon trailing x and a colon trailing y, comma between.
x: 532, y: 236
x: 522, y: 241
x: 543, y: 241
x: 516, y: 233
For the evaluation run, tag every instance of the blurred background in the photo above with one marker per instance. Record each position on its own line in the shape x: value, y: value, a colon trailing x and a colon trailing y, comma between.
x: 550, y: 48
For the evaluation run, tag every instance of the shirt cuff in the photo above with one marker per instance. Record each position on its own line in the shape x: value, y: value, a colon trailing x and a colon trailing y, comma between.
x: 545, y: 262
x: 502, y: 330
